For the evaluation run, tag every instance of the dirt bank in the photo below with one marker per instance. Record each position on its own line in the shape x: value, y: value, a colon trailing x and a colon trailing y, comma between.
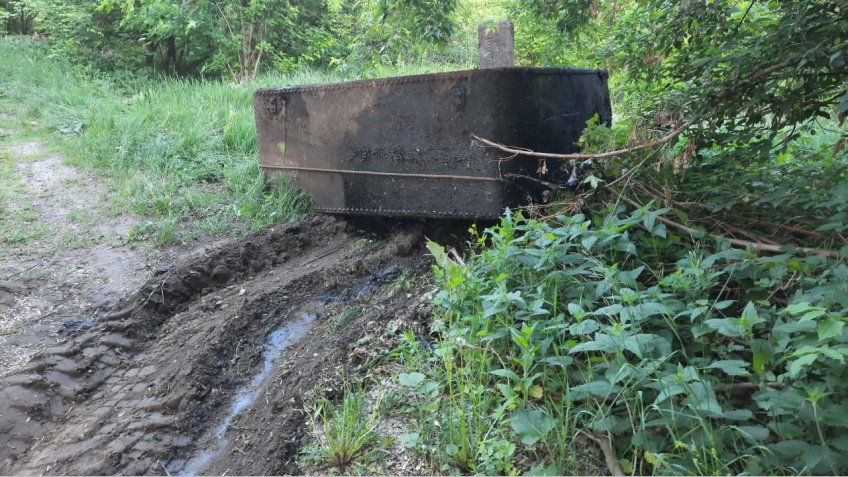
x: 202, y: 370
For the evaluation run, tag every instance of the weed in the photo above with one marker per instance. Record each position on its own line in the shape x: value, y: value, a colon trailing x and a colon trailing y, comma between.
x: 348, y: 430
x: 168, y: 232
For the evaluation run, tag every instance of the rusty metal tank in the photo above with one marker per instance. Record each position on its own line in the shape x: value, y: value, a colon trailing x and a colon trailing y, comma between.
x: 403, y: 146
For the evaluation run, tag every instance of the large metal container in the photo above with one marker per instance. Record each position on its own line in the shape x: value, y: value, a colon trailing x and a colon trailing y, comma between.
x: 402, y: 146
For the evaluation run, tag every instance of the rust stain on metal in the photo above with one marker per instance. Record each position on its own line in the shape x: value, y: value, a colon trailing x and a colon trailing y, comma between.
x: 402, y: 146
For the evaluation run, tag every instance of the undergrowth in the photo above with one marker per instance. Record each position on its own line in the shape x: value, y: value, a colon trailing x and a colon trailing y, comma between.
x: 722, y: 362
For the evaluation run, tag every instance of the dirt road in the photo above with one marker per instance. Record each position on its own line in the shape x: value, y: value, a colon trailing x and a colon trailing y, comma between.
x: 203, y: 369
x: 183, y: 360
x: 64, y: 255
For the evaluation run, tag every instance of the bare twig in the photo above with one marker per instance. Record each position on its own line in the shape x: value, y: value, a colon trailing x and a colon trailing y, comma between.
x: 759, y: 246
x: 736, y: 230
x: 789, y: 228
x: 749, y: 386
x: 602, y: 155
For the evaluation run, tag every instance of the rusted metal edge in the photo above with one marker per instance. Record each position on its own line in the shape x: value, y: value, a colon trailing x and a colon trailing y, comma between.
x: 402, y: 212
x: 424, y: 78
x: 387, y: 174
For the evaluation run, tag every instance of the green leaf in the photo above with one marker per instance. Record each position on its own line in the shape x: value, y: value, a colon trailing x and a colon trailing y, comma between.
x: 702, y: 398
x: 726, y: 326
x: 644, y: 344
x: 738, y: 414
x: 830, y: 328
x: 584, y: 327
x: 797, y: 365
x: 506, y: 373
x: 757, y: 433
x: 561, y: 361
x: 507, y: 391
x: 811, y: 315
x: 595, y: 388
x: 796, y: 308
x: 750, y: 316
x: 592, y: 181
x: 531, y: 425
x: 410, y: 379
x: 588, y: 241
x: 410, y: 440
x: 731, y: 367
x: 576, y: 310
x: 814, y: 455
x: 451, y: 449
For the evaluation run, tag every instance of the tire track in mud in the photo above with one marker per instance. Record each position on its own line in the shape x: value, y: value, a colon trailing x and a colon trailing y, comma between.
x: 151, y: 388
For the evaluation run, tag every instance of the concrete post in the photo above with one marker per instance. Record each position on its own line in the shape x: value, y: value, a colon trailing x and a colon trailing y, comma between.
x: 497, y: 47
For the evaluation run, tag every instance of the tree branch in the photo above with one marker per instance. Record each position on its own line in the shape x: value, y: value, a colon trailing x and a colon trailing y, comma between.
x: 759, y: 246
x: 603, y: 155
x: 766, y: 71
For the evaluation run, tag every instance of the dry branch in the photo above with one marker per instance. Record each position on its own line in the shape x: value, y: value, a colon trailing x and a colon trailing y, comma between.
x: 759, y: 246
x: 601, y: 155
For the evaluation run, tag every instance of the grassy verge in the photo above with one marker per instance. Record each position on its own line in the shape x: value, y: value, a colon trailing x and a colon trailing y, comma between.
x: 181, y: 153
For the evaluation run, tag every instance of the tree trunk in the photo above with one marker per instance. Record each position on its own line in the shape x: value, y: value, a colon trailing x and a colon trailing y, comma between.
x: 171, y: 53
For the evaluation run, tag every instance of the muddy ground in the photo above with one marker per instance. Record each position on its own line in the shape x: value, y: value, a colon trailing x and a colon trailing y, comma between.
x: 64, y: 254
x: 125, y: 358
x: 204, y: 368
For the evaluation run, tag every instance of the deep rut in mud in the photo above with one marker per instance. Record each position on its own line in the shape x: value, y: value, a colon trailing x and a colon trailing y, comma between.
x: 203, y: 369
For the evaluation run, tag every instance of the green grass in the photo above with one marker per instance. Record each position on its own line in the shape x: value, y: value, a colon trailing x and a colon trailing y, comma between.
x: 18, y: 218
x: 179, y: 152
x: 346, y: 431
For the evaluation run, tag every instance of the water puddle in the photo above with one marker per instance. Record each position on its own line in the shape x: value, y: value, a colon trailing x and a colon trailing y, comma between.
x: 277, y: 341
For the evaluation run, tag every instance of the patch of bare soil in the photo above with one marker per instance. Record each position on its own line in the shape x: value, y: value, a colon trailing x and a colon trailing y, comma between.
x: 204, y: 368
x: 56, y: 283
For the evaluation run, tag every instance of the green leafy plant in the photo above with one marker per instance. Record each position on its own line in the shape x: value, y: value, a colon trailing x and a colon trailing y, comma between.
x: 559, y: 328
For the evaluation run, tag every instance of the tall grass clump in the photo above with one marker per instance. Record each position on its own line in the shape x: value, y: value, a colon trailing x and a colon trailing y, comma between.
x: 347, y: 431
x: 179, y: 150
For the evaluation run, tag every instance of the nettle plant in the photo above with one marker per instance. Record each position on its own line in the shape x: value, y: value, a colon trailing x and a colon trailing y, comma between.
x: 724, y: 362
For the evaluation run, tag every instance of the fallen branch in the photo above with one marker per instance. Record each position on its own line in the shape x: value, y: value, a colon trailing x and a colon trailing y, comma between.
x: 789, y: 228
x: 759, y: 246
x: 609, y: 455
x: 736, y: 230
x: 749, y: 386
x: 601, y: 155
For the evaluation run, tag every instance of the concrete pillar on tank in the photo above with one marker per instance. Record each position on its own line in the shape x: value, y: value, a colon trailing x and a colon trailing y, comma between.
x: 496, y: 45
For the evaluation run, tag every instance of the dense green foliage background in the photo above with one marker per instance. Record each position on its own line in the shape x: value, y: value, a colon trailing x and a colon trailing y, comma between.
x: 685, y: 303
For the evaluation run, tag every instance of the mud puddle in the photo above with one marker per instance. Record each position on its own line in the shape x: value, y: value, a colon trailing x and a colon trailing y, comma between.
x: 205, y: 367
x: 245, y: 396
